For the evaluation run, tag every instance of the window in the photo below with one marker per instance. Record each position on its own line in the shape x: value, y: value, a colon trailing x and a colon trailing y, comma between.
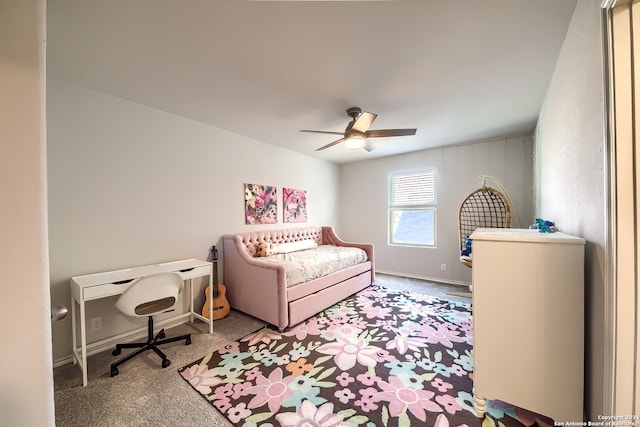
x: 412, y: 208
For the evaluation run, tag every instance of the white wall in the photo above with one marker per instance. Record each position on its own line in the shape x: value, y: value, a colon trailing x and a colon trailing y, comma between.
x: 130, y: 185
x: 26, y: 387
x: 364, y: 200
x: 569, y: 172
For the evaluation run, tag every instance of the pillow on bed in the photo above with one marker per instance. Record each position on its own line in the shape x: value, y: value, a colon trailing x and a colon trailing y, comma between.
x: 283, y: 248
x: 268, y: 249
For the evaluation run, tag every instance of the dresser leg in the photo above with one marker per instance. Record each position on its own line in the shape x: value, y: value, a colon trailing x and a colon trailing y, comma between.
x: 480, y: 405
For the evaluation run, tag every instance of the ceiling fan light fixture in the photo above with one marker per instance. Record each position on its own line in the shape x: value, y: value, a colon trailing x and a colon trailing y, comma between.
x: 354, y: 142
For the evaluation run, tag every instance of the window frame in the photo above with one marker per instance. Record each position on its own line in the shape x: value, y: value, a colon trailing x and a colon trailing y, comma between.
x: 427, y: 205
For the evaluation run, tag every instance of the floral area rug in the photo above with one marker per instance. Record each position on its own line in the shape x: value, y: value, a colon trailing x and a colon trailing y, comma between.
x: 381, y: 357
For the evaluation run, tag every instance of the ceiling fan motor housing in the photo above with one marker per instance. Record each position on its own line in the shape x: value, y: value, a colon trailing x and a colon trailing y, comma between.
x: 354, y: 112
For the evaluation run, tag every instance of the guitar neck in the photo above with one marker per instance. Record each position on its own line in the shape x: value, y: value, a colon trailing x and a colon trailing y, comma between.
x: 215, y: 275
x: 214, y: 260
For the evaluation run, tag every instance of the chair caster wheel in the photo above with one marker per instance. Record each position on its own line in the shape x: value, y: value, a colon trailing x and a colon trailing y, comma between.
x: 114, y: 371
x: 115, y: 353
x: 188, y: 341
x: 161, y: 335
x: 166, y: 362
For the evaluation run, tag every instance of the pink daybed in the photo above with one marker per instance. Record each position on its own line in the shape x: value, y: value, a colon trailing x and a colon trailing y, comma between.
x: 266, y: 288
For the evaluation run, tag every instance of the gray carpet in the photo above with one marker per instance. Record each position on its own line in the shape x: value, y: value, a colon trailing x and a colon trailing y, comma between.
x: 144, y: 394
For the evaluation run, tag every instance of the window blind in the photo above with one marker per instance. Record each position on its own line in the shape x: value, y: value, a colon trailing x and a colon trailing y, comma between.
x: 411, y: 189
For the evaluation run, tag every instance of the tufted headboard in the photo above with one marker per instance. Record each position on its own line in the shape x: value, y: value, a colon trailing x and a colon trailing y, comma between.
x: 251, y: 239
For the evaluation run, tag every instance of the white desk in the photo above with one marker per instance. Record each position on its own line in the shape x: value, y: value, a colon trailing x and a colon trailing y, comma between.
x: 110, y: 283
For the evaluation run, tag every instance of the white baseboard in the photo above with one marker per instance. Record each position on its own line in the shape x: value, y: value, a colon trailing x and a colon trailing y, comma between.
x: 426, y: 278
x: 110, y: 343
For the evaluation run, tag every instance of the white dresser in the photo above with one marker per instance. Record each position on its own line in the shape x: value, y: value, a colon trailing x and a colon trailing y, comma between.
x: 528, y: 321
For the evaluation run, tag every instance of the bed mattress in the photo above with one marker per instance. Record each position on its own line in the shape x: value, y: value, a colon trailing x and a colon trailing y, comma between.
x: 303, y: 266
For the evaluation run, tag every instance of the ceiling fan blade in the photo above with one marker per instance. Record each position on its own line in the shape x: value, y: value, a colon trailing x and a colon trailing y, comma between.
x: 322, y: 131
x: 338, y: 141
x: 363, y: 122
x: 368, y: 146
x: 380, y: 133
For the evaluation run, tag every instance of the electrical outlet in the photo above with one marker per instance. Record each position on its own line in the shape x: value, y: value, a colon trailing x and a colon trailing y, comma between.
x: 443, y: 267
x: 96, y: 324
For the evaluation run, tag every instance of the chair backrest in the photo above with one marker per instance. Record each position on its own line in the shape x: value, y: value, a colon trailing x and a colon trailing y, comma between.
x: 484, y: 208
x: 150, y: 295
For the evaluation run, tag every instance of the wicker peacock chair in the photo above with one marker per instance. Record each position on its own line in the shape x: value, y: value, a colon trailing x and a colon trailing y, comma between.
x: 484, y: 208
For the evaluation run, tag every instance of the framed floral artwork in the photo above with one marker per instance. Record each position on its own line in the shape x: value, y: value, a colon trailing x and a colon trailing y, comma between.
x: 295, y: 205
x: 260, y: 204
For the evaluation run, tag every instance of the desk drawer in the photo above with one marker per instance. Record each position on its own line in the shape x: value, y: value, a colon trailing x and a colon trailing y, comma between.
x: 105, y: 290
x: 108, y: 289
x: 205, y: 270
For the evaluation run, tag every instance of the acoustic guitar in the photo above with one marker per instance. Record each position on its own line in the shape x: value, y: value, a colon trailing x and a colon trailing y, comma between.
x: 219, y: 304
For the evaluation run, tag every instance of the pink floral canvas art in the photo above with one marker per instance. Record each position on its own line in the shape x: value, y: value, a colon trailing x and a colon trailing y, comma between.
x: 295, y: 205
x: 261, y: 204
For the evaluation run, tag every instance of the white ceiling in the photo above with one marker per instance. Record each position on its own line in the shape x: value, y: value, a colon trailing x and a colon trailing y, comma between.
x: 458, y: 70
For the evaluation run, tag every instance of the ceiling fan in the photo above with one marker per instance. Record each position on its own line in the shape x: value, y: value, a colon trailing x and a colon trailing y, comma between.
x: 357, y: 131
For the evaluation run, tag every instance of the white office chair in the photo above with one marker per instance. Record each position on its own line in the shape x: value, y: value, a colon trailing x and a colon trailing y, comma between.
x: 146, y: 297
